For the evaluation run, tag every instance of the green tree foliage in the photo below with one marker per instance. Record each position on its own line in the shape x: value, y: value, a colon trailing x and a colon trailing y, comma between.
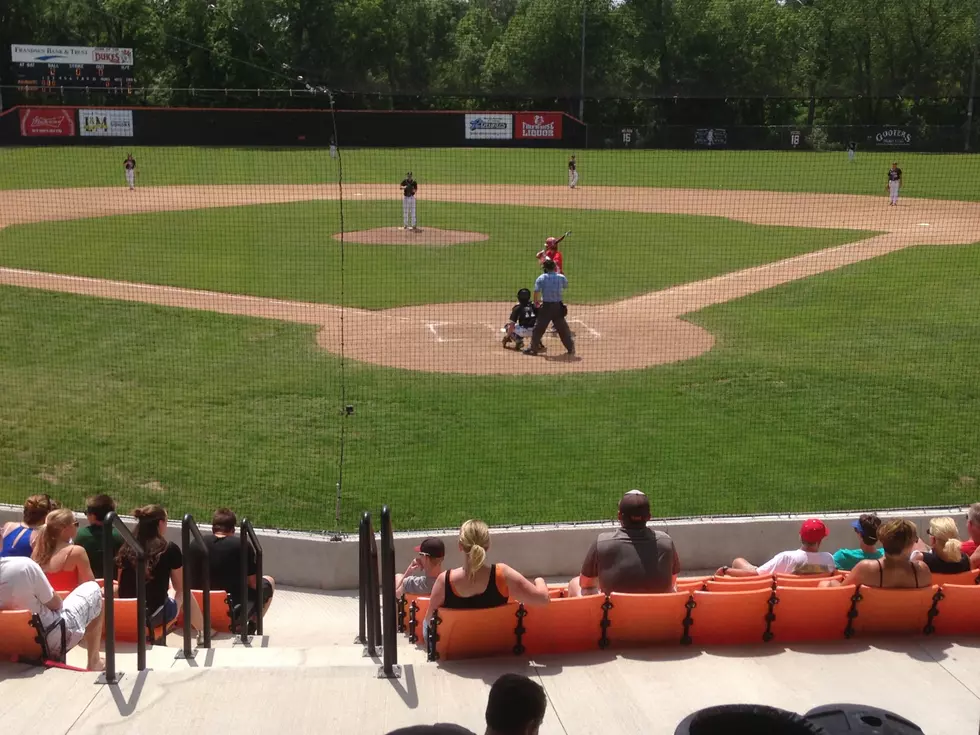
x: 888, y: 52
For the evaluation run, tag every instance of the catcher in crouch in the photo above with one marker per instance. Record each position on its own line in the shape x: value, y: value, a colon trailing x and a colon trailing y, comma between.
x: 522, y: 320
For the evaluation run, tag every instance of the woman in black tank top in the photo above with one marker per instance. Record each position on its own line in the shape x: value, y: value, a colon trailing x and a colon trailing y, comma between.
x: 897, y: 570
x: 475, y: 586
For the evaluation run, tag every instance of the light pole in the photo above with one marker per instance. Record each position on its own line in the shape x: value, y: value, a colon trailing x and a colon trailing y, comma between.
x: 581, y: 87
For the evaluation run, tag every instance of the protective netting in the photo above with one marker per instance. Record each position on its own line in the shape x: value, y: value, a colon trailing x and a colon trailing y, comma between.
x: 267, y: 322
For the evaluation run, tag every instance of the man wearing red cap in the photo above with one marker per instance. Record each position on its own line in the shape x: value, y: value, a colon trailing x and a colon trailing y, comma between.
x: 808, y: 559
x: 633, y: 558
x: 425, y: 568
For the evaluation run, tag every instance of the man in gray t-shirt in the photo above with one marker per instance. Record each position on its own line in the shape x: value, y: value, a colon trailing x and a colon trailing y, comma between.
x: 633, y: 558
x: 424, y: 569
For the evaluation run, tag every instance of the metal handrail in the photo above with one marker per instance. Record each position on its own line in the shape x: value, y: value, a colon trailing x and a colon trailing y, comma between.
x: 390, y: 669
x: 370, y: 610
x: 248, y: 537
x: 108, y: 570
x: 188, y: 528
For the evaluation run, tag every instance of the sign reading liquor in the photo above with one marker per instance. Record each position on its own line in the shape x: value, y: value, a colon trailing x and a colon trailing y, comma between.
x: 538, y: 126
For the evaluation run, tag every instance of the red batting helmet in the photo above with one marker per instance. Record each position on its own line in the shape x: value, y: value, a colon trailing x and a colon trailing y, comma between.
x: 551, y: 243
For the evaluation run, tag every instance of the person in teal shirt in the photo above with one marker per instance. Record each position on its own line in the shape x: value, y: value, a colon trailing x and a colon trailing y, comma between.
x: 866, y: 527
x: 90, y: 537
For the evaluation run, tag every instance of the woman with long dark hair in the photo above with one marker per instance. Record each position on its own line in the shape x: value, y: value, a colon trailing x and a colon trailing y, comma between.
x: 164, y: 563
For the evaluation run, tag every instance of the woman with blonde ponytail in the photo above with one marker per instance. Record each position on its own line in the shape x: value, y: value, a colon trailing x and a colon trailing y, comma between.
x: 475, y: 585
x: 946, y: 555
x: 66, y: 566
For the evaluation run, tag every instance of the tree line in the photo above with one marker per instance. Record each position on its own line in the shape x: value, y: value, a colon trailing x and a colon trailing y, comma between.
x: 757, y: 61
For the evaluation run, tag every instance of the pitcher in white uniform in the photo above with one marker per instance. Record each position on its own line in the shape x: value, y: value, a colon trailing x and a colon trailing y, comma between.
x: 409, y: 187
x: 130, y: 165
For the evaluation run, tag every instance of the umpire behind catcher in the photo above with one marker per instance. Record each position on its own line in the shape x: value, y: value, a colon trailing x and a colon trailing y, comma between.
x: 548, y: 289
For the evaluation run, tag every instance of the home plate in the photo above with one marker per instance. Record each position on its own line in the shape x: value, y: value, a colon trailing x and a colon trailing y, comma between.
x: 924, y: 224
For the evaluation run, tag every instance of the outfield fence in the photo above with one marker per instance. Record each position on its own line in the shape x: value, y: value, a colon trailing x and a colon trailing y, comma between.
x: 755, y: 328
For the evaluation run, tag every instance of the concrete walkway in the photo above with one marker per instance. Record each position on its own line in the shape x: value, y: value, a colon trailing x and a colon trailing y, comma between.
x: 307, y: 677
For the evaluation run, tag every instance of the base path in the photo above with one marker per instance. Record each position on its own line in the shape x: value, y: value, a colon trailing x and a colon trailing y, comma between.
x: 634, y: 333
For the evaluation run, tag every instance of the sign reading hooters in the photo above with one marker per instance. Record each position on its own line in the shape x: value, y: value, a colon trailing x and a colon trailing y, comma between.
x: 47, y: 122
x: 538, y: 126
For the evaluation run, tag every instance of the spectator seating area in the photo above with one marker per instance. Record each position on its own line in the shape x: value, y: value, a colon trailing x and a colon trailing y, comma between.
x: 704, y: 611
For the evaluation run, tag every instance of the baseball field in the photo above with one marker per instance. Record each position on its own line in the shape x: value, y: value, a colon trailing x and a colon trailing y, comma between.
x: 756, y: 332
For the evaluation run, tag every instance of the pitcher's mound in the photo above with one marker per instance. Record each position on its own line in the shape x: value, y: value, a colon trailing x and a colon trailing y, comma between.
x: 431, y: 236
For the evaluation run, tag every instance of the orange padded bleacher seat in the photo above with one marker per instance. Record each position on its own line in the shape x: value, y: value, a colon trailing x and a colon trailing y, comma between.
x: 959, y: 610
x: 729, y: 617
x: 566, y: 625
x: 647, y: 620
x: 893, y: 611
x: 476, y: 633
x: 969, y: 577
x: 557, y: 591
x: 805, y: 581
x: 726, y: 584
x: 125, y: 619
x: 18, y: 636
x: 811, y: 613
x: 415, y: 609
x: 690, y: 584
x: 220, y: 610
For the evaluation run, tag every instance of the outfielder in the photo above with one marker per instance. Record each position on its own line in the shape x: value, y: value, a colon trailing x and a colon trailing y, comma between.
x: 409, y: 187
x: 851, y: 151
x: 572, y: 173
x: 130, y: 165
x: 894, y: 184
x: 520, y: 326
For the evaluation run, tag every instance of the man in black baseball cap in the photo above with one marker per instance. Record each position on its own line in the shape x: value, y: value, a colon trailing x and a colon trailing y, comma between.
x: 633, y: 558
x: 425, y: 568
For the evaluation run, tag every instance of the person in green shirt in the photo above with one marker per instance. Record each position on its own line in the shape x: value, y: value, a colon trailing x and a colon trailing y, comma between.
x: 90, y: 537
x: 866, y: 527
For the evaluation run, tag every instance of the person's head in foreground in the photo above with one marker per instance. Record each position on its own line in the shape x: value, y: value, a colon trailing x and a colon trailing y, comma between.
x: 97, y: 508
x: 866, y: 527
x: 474, y: 542
x: 430, y: 554
x: 634, y: 510
x: 973, y: 522
x: 897, y: 537
x: 36, y: 509
x: 516, y: 706
x: 223, y: 522
x: 944, y: 539
x: 812, y: 533
x: 151, y: 525
x: 58, y: 530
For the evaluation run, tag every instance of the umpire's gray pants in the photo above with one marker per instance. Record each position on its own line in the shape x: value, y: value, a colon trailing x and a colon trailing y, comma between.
x: 551, y: 311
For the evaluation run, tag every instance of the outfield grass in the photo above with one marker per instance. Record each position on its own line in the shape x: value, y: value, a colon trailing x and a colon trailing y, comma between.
x: 926, y: 175
x: 286, y: 251
x: 852, y: 389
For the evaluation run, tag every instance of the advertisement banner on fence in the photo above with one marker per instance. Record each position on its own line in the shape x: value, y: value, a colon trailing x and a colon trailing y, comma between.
x: 538, y: 126
x: 22, y: 53
x: 105, y: 123
x: 47, y: 122
x: 489, y: 126
x: 893, y: 138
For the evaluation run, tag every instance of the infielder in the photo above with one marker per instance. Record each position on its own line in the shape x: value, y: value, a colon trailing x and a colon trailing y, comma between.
x: 894, y: 184
x: 572, y: 173
x: 851, y: 151
x: 409, y: 187
x: 130, y: 165
x: 520, y: 326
